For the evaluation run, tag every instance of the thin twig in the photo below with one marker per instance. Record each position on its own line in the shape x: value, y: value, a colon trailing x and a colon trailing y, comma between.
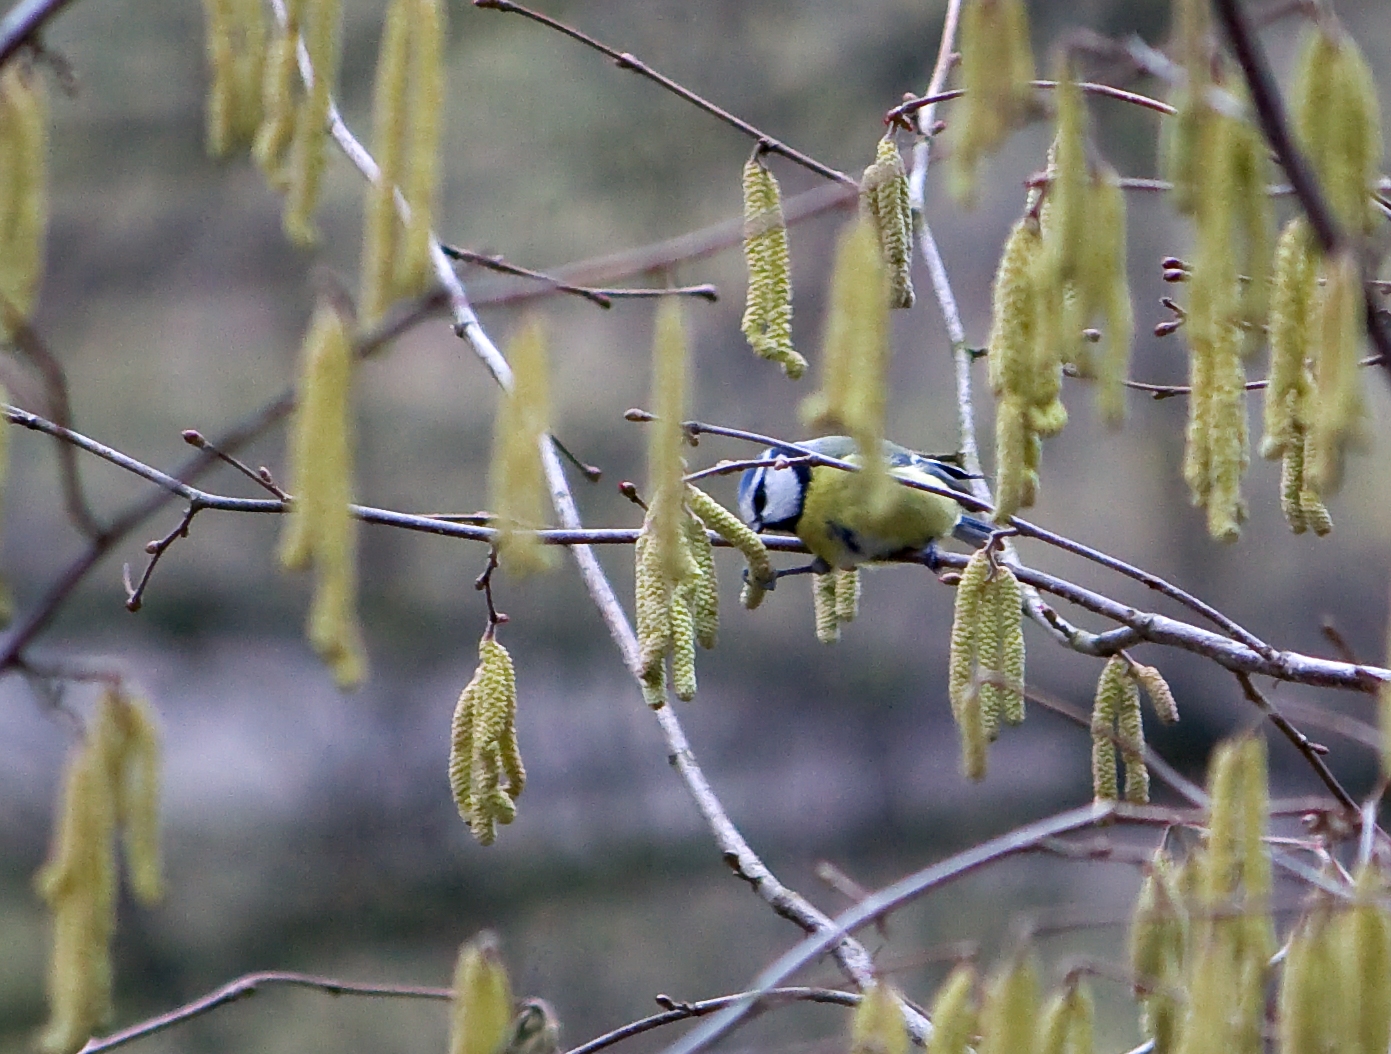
x: 1270, y: 110
x: 888, y: 900
x: 135, y: 594
x: 603, y: 297
x: 250, y: 984
x: 626, y: 61
x: 1105, y: 90
x: 1312, y: 752
x: 683, y: 1011
x: 25, y: 338
x: 196, y: 439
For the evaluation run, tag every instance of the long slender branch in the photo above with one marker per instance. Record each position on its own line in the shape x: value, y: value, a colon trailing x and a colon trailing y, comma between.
x: 934, y: 96
x: 625, y: 61
x: 1270, y: 111
x: 884, y: 902
x: 685, y: 1011
x: 248, y: 985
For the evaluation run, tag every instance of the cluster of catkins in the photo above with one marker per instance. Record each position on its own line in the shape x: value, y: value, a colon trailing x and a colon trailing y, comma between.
x: 1310, y: 306
x: 485, y: 767
x: 110, y: 791
x: 262, y: 94
x: 1063, y: 267
x: 1202, y: 948
x: 985, y: 672
x: 885, y: 213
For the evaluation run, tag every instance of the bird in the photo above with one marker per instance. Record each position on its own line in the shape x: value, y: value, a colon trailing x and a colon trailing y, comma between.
x: 823, y: 507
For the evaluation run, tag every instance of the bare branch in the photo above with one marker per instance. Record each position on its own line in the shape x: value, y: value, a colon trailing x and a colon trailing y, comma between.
x: 250, y: 984
x: 625, y: 61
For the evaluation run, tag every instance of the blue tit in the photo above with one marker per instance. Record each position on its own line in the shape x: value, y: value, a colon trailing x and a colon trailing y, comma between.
x: 825, y: 509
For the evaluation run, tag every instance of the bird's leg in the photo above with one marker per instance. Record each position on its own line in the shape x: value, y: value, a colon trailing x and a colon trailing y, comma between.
x: 816, y: 567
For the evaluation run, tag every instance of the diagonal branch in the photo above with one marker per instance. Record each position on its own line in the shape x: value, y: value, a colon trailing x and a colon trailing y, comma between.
x: 626, y: 61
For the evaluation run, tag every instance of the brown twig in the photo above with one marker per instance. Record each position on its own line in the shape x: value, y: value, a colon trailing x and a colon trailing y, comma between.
x: 250, y: 984
x: 484, y: 582
x: 603, y: 297
x: 31, y: 346
x: 1104, y: 90
x: 1313, y: 752
x: 135, y: 594
x: 626, y: 61
x: 138, y: 512
x: 679, y: 1010
x: 261, y: 478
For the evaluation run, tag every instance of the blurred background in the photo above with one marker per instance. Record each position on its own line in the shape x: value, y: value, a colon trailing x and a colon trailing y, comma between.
x: 312, y: 830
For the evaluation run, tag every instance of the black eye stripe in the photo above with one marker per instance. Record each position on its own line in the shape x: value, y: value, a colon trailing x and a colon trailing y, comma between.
x: 760, y: 497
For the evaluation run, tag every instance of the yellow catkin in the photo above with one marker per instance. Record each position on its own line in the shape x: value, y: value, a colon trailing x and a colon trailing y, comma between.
x: 1338, y: 413
x: 1130, y: 737
x: 1107, y: 284
x: 683, y: 645
x: 1181, y: 144
x: 962, y: 681
x: 486, y: 774
x: 1067, y: 1023
x: 136, y: 784
x: 823, y: 594
x: 1312, y: 1004
x: 1004, y: 690
x: 1338, y: 120
x: 381, y: 231
x: 1009, y: 1015
x: 1157, y: 941
x: 23, y: 188
x: 1068, y: 176
x: 652, y: 601
x: 79, y: 882
x: 1294, y: 293
x: 954, y: 1013
x: 854, y: 385
x: 877, y: 1026
x: 517, y: 479
x: 1016, y: 482
x: 1362, y: 943
x: 1161, y: 697
x: 280, y: 76
x: 236, y: 49
x: 705, y: 589
x: 767, y: 322
x: 996, y: 68
x: 884, y: 199
x: 482, y: 1005
x: 1013, y: 327
x: 420, y: 182
x: 666, y: 440
x: 321, y: 34
x: 1112, y: 690
x: 847, y: 594
x: 319, y: 526
x: 738, y: 534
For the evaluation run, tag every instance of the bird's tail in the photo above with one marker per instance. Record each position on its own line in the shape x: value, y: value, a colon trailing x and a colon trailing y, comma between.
x: 972, y: 532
